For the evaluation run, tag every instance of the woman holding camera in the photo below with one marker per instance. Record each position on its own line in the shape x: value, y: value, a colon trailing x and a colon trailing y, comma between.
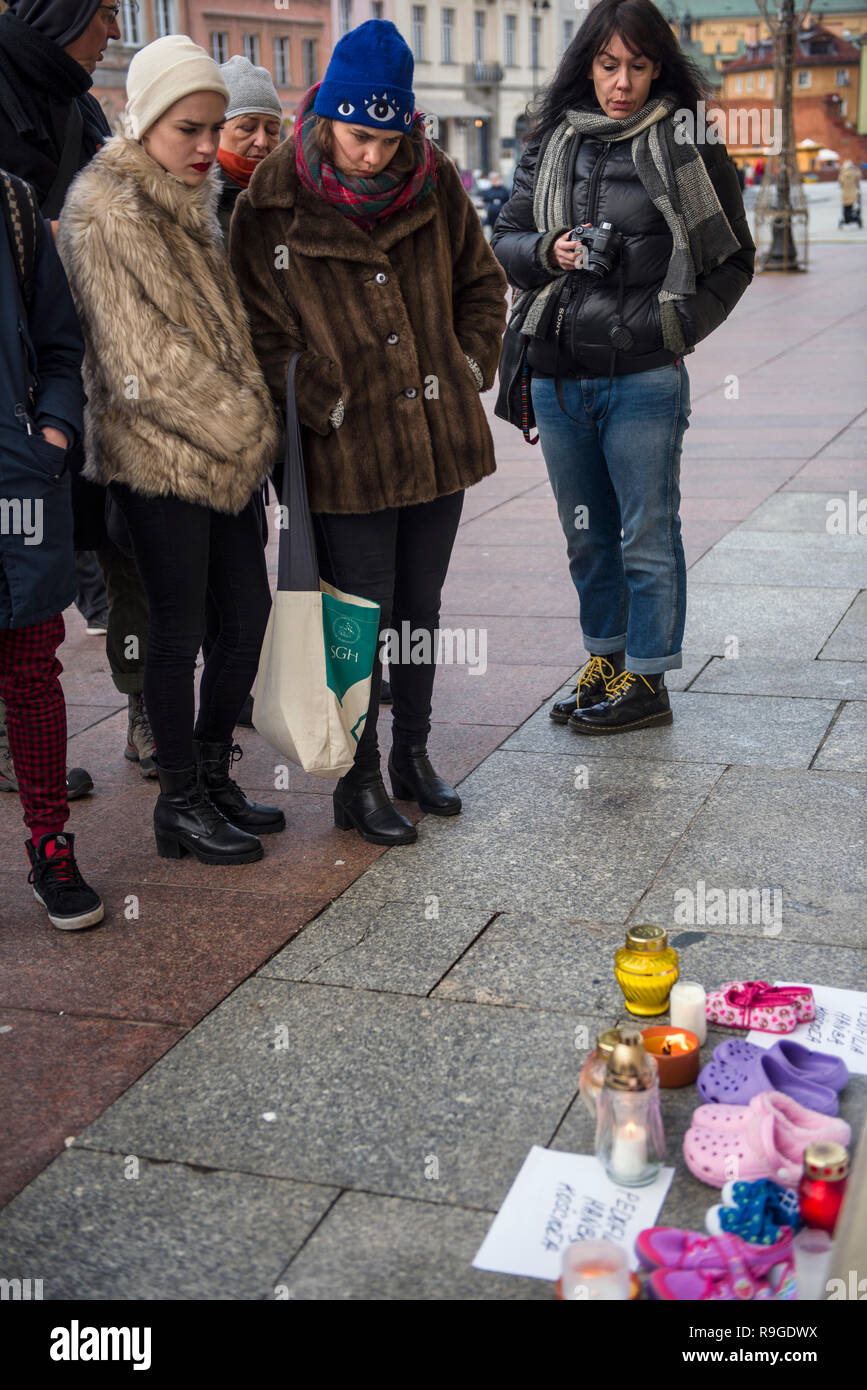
x: 616, y: 178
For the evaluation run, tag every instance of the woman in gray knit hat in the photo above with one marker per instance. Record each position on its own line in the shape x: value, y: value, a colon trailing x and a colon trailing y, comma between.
x: 252, y: 130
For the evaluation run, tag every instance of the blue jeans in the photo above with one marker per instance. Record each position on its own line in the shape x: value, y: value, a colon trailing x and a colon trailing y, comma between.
x: 616, y: 480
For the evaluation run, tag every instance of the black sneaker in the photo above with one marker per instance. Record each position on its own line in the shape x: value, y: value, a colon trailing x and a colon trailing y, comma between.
x: 633, y: 702
x: 78, y: 783
x: 58, y: 884
x: 97, y: 626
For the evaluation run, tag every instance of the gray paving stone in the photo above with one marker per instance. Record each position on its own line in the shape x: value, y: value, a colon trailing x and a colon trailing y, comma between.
x: 749, y: 730
x: 784, y: 558
x: 386, y: 1249
x: 767, y: 620
x: 529, y: 841
x: 792, y: 511
x: 756, y: 675
x: 848, y: 641
x: 804, y: 832
x: 405, y: 947
x: 688, y: 1199
x: 90, y: 1232
x: 845, y: 749
x: 547, y: 963
x: 360, y: 1089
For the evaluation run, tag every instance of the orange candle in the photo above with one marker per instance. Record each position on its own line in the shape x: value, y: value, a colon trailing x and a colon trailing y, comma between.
x: 676, y: 1053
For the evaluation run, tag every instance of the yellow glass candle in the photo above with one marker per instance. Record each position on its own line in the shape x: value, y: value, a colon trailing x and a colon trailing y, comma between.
x: 645, y: 969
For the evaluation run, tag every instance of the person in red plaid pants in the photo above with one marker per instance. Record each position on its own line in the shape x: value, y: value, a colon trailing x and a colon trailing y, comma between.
x: 41, y: 401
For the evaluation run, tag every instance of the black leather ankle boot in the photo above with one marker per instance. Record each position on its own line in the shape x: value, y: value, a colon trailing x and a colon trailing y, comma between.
x: 187, y: 822
x: 361, y: 803
x: 414, y: 779
x: 633, y: 702
x: 591, y: 688
x: 214, y: 761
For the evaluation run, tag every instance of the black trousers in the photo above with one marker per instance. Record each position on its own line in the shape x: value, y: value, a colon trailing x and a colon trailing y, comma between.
x: 188, y: 555
x: 398, y: 558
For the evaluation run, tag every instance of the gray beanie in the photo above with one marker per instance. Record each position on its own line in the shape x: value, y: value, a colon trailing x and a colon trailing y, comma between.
x: 250, y: 89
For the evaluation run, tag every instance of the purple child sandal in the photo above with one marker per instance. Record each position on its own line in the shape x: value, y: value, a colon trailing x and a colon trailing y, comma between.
x: 739, y: 1070
x: 669, y: 1247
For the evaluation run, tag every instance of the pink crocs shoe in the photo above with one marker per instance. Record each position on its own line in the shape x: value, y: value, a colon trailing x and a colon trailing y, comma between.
x: 765, y: 1139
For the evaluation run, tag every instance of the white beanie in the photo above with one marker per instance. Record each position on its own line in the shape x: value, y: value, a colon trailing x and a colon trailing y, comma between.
x: 164, y: 72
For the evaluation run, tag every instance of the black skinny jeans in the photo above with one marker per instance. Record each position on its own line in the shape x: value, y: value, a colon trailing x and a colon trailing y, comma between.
x: 398, y: 558
x: 188, y: 555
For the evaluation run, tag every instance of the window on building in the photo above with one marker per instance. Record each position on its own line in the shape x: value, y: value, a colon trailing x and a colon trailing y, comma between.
x: 803, y: 77
x: 739, y: 84
x: 842, y: 77
x: 130, y: 23
x: 535, y: 41
x: 763, y: 77
x: 448, y: 35
x: 220, y: 46
x: 749, y: 81
x: 478, y: 36
x: 568, y: 32
x: 310, y: 61
x: 164, y: 18
x: 511, y: 41
x: 841, y: 109
x: 419, y: 15
x: 344, y: 17
x: 376, y: 9
x: 250, y: 45
x: 281, y: 62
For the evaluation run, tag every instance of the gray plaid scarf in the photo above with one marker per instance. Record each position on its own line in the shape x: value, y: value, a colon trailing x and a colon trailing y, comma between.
x: 676, y: 181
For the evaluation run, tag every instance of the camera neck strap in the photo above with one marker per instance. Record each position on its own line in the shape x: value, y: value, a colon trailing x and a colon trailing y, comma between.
x: 561, y: 316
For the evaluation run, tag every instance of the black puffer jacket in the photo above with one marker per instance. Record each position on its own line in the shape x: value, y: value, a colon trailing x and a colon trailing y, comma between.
x: 607, y: 188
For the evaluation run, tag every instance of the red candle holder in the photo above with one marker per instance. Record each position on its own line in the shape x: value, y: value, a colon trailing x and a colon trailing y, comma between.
x: 676, y: 1053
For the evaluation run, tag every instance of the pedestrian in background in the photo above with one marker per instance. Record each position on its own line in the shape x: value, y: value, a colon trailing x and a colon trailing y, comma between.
x: 51, y: 126
x: 41, y: 402
x: 254, y: 116
x: 670, y: 256
x: 849, y: 180
x: 179, y: 423
x: 389, y: 292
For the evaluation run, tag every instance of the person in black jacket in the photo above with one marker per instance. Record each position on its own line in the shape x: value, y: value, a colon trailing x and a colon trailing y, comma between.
x: 614, y: 151
x: 51, y: 126
x: 41, y: 401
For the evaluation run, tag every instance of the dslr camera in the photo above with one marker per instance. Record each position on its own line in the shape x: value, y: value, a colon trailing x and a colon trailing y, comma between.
x: 603, y: 247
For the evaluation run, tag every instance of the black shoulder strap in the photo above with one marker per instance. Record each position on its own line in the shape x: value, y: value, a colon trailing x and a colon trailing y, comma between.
x: 21, y: 214
x: 68, y: 167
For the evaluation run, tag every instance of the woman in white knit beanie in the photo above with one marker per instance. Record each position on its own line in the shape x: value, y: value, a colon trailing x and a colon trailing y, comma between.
x: 181, y: 429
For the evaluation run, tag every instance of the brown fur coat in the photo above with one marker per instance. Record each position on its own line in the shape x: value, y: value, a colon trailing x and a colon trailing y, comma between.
x: 176, y: 401
x: 385, y: 321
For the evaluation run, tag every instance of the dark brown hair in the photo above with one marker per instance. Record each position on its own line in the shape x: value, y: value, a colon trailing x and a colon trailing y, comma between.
x: 404, y: 159
x: 643, y: 29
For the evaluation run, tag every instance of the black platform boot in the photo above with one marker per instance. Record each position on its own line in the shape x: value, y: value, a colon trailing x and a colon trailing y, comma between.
x: 214, y: 760
x: 361, y: 803
x: 591, y: 688
x: 187, y: 822
x: 414, y: 779
x: 633, y: 702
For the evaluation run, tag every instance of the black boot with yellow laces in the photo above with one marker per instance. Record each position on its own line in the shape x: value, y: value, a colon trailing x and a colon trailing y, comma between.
x: 591, y: 688
x: 633, y: 702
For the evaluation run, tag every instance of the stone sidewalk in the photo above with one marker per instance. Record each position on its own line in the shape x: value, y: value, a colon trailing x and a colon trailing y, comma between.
x: 283, y: 1139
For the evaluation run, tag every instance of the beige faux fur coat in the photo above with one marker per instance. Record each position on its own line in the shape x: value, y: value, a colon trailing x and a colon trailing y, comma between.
x: 176, y: 401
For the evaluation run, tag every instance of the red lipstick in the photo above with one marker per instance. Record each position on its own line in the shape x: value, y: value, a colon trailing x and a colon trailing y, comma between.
x: 202, y: 168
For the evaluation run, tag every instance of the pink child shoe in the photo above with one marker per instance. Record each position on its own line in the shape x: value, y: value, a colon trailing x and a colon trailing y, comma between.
x: 671, y: 1248
x: 752, y: 1004
x: 765, y: 1139
x: 691, y: 1286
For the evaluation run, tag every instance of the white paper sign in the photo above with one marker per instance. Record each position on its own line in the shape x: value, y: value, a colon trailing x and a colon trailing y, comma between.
x: 558, y: 1198
x: 840, y: 1026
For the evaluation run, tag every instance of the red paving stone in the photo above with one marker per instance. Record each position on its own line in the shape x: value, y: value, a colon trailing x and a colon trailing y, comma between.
x: 129, y: 990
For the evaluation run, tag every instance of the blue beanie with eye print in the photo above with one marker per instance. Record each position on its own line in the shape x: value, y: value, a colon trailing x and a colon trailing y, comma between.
x: 369, y: 79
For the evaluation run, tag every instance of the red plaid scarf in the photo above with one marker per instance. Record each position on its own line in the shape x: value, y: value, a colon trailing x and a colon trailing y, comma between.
x: 365, y: 201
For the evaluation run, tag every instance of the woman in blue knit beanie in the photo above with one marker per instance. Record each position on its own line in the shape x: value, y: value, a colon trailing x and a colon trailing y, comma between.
x: 384, y: 283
